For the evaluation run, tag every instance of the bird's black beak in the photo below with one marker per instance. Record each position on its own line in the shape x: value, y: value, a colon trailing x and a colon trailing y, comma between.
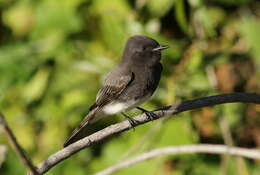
x: 161, y: 47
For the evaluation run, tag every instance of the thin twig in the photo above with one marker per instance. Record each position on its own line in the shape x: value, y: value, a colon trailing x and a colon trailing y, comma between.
x: 26, y: 160
x: 203, y: 148
x: 117, y: 128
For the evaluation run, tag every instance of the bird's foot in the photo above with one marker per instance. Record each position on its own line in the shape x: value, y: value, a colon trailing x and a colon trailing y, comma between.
x: 132, y: 122
x: 149, y: 114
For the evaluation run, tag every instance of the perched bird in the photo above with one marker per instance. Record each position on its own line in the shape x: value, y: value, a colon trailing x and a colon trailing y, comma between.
x: 129, y: 84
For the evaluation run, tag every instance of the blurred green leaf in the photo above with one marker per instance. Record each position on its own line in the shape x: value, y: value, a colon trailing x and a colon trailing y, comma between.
x: 159, y: 9
x: 19, y: 18
x: 53, y: 17
x: 250, y: 28
x: 181, y: 16
x: 177, y: 131
x: 35, y: 88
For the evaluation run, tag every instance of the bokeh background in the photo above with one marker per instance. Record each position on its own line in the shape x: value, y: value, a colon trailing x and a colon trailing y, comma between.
x: 54, y: 54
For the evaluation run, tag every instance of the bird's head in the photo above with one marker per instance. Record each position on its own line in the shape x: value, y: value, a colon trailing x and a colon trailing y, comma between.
x: 141, y: 49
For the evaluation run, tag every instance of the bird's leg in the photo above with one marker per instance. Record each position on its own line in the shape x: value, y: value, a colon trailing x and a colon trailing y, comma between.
x: 149, y: 114
x: 130, y: 120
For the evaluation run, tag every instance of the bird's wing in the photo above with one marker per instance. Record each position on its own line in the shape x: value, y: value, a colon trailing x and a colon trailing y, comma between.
x: 112, y: 88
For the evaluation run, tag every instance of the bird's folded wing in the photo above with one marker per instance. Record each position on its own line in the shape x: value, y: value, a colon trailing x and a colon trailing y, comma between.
x: 113, y: 88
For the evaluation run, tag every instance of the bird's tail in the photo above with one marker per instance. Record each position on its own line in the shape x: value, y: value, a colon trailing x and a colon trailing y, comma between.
x: 89, y: 118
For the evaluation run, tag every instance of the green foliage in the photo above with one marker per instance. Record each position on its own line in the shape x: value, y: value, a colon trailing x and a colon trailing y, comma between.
x: 54, y: 55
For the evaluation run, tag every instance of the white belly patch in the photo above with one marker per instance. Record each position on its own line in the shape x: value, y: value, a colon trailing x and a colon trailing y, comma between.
x: 115, y: 107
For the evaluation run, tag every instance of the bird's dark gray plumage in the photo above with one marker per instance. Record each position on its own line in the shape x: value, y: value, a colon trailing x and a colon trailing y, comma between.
x: 129, y: 84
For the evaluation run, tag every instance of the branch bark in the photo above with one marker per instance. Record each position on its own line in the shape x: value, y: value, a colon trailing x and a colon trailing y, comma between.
x: 117, y: 128
x: 21, y: 153
x: 174, y: 150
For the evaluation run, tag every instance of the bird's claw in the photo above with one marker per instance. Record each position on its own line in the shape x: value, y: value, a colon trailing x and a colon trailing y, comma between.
x: 149, y: 114
x: 132, y: 122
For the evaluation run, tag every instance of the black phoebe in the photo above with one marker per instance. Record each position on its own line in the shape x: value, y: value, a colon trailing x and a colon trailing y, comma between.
x: 129, y: 84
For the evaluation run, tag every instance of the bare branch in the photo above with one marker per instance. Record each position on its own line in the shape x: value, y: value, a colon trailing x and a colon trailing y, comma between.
x: 203, y: 148
x: 26, y: 160
x: 141, y: 119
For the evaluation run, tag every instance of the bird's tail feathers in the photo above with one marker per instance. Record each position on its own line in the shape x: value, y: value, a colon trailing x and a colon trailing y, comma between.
x: 89, y: 118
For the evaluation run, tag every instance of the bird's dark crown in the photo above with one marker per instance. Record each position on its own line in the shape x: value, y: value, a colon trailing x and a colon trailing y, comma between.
x: 139, y: 50
x: 141, y: 43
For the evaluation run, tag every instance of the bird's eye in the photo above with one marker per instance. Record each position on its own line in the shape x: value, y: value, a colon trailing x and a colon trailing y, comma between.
x: 141, y: 49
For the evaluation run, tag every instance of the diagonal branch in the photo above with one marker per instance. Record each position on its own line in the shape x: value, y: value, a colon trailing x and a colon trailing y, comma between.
x: 26, y: 160
x: 117, y: 128
x: 186, y: 149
